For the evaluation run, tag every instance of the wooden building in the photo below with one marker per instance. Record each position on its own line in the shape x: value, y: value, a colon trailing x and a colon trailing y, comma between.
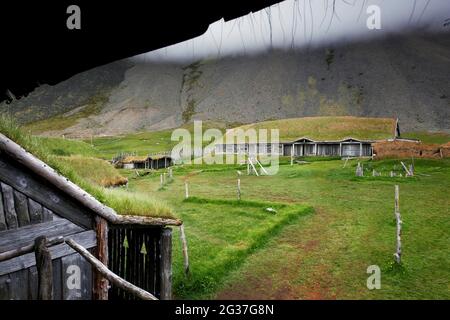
x: 36, y: 201
x: 146, y: 162
x: 336, y: 144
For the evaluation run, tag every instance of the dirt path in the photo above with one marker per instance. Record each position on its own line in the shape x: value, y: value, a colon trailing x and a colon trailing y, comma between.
x: 279, y: 271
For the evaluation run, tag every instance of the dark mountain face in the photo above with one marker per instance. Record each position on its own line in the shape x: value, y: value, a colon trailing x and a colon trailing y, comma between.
x: 404, y: 77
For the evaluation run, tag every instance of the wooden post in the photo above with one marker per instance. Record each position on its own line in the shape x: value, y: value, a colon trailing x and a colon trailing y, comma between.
x: 397, y: 201
x: 359, y: 170
x: 292, y: 155
x: 44, y: 268
x: 100, y: 283
x: 398, y: 251
x: 161, y: 180
x: 186, y: 189
x: 360, y: 149
x: 248, y: 167
x: 185, y: 250
x: 340, y: 149
x: 239, y: 189
x: 166, y: 264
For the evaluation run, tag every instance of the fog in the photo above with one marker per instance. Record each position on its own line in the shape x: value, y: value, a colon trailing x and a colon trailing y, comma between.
x: 300, y: 24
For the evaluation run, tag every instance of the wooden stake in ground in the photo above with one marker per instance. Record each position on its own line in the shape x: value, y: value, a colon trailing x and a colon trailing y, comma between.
x: 186, y: 189
x: 239, y: 189
x: 292, y: 155
x: 185, y: 250
x: 345, y: 163
x: 161, y: 180
x: 359, y: 170
x: 398, y: 252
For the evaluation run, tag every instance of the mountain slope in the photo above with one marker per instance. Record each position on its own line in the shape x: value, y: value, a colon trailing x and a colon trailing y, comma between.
x: 405, y: 77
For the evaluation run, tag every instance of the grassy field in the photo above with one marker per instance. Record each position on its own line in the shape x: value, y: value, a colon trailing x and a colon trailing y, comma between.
x: 329, y: 225
x: 241, y: 251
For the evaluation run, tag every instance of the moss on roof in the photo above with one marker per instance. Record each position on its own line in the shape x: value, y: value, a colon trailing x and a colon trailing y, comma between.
x: 327, y: 128
x: 122, y: 202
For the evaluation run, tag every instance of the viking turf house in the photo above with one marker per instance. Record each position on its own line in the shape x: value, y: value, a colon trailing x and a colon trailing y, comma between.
x: 59, y: 242
x: 323, y: 142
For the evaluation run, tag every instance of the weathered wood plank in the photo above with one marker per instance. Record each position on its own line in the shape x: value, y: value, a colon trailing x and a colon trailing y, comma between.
x: 87, y: 239
x: 34, y: 211
x: 2, y: 213
x: 21, y: 206
x: 57, y: 279
x: 43, y: 193
x: 32, y: 283
x: 26, y: 249
x: 8, y: 201
x: 166, y: 264
x: 44, y: 268
x: 47, y: 215
x: 4, y: 287
x: 76, y: 278
x: 19, y: 285
x: 12, y: 239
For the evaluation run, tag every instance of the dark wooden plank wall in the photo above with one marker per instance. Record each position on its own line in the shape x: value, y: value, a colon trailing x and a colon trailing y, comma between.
x: 134, y: 254
x: 17, y: 210
x: 23, y: 284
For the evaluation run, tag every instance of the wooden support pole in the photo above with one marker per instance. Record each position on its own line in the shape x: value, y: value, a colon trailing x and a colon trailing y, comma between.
x: 44, y: 269
x: 239, y: 189
x: 161, y: 180
x: 397, y: 200
x: 186, y: 189
x: 166, y: 264
x: 100, y: 282
x: 292, y: 155
x: 406, y: 169
x: 398, y: 251
x: 111, y: 276
x: 185, y: 250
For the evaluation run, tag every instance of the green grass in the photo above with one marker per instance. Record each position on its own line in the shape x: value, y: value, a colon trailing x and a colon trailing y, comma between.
x: 95, y: 171
x: 68, y: 147
x: 328, y: 128
x: 122, y: 202
x: 142, y: 143
x: 429, y: 137
x: 321, y: 255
